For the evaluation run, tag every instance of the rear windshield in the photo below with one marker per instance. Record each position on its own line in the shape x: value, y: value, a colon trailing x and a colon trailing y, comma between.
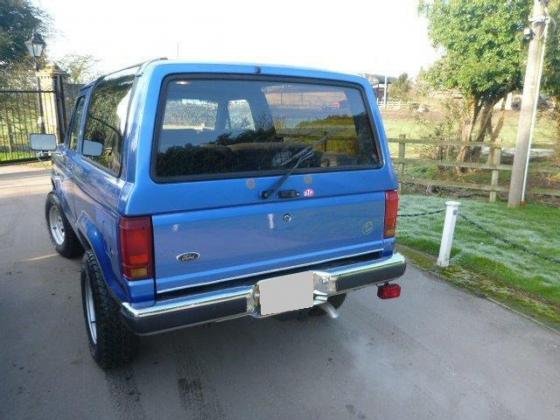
x: 222, y: 128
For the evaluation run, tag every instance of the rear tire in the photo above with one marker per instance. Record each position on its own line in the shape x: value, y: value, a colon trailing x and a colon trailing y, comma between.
x: 111, y: 343
x: 61, y: 233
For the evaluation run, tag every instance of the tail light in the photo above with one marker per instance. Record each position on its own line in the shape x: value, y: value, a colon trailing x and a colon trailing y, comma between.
x: 136, y: 246
x: 389, y: 291
x: 391, y: 209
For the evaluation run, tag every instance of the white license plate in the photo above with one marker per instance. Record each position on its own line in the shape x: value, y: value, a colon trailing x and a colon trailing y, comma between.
x: 286, y: 293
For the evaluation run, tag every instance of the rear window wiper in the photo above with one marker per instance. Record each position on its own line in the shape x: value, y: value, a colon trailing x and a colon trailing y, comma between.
x: 299, y: 157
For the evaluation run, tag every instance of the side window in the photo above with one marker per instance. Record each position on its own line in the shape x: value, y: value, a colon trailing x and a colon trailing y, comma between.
x: 74, y: 127
x: 240, y: 116
x: 190, y: 113
x: 106, y: 119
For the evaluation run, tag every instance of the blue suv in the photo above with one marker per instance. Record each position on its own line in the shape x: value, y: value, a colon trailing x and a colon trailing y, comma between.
x: 203, y: 192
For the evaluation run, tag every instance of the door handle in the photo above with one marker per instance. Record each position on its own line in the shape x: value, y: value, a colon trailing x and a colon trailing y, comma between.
x: 288, y: 194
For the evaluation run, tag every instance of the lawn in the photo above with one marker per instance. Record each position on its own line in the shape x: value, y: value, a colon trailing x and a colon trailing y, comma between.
x: 544, y: 174
x: 14, y: 156
x: 485, y: 264
x: 410, y: 124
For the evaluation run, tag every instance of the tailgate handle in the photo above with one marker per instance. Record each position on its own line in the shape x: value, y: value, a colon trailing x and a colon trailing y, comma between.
x: 288, y: 194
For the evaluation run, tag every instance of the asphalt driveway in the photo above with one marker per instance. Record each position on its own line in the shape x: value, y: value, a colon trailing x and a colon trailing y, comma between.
x: 437, y: 352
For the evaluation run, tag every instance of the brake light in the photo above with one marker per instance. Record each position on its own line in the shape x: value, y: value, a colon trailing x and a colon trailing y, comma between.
x: 136, y: 246
x: 391, y: 209
x: 389, y: 291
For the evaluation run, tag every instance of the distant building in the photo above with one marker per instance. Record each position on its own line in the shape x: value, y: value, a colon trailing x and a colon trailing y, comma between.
x: 380, y: 84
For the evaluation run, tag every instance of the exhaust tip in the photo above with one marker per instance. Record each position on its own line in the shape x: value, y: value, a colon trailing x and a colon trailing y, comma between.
x: 330, y: 310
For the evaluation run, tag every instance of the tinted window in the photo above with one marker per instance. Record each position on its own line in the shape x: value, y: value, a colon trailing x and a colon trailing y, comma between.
x: 223, y: 127
x: 106, y: 118
x: 75, y: 126
x: 188, y: 113
x: 240, y: 117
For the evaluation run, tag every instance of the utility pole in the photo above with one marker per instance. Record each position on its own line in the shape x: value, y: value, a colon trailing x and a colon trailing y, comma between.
x: 528, y: 113
x: 385, y: 92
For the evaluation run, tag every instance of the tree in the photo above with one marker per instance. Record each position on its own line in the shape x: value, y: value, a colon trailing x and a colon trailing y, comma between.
x: 80, y: 68
x: 483, y: 52
x: 551, y: 71
x: 18, y: 20
x: 401, y: 87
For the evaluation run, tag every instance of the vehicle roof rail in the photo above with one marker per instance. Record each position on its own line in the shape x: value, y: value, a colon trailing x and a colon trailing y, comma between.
x: 143, y: 65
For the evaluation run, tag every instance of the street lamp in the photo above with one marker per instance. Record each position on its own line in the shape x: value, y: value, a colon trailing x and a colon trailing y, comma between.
x: 36, y: 46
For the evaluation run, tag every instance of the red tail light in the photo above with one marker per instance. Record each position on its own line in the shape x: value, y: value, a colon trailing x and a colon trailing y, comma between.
x: 137, y: 254
x: 391, y: 209
x: 389, y: 291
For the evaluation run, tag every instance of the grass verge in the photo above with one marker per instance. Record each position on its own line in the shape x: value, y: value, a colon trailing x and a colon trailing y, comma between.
x: 483, y: 264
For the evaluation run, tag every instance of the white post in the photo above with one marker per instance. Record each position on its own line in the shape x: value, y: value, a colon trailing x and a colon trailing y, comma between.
x: 451, y: 212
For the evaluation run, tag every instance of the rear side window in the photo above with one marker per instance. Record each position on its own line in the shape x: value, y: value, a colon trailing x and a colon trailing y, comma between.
x: 75, y: 126
x: 239, y: 115
x: 215, y: 128
x: 106, y: 119
x: 187, y: 113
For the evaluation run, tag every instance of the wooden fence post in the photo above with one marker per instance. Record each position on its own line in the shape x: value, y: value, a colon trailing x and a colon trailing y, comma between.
x: 496, y: 153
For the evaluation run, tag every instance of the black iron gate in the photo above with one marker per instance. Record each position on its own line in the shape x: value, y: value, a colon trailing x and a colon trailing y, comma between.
x: 23, y: 112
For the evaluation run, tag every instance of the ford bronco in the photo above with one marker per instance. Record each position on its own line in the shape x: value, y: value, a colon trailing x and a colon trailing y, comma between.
x: 200, y: 193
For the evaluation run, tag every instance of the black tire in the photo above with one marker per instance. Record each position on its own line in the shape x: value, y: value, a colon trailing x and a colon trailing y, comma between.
x: 336, y: 301
x: 70, y: 246
x: 115, y: 344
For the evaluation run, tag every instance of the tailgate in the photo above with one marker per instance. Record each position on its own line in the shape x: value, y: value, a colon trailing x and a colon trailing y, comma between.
x: 206, y: 246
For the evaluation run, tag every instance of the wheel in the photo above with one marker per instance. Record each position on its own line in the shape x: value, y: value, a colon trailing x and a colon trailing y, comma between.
x: 61, y: 233
x: 111, y: 343
x: 336, y: 301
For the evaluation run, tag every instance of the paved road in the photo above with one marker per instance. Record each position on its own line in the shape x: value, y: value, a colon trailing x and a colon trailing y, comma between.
x: 435, y: 353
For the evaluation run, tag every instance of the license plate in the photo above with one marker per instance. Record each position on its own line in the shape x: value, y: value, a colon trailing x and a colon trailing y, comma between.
x: 286, y: 293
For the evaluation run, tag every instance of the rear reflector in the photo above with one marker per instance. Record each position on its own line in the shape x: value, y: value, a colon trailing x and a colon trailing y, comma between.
x: 391, y: 209
x: 389, y: 291
x: 137, y: 256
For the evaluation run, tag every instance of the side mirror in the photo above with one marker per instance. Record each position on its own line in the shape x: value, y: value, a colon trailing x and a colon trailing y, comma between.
x: 92, y: 148
x: 42, y: 142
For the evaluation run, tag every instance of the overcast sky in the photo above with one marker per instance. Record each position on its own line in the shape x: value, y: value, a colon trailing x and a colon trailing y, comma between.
x: 344, y: 35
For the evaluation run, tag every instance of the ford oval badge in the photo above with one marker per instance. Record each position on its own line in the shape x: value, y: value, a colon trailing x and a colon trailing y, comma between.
x: 188, y: 256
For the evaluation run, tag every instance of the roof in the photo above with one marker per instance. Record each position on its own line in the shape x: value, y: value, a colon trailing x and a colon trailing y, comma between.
x: 175, y: 66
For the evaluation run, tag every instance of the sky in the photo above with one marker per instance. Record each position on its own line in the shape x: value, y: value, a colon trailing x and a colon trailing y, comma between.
x: 354, y: 36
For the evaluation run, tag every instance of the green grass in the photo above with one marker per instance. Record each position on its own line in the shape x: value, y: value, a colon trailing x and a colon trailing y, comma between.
x: 548, y: 180
x: 408, y: 123
x: 13, y: 156
x: 415, y: 126
x: 481, y: 262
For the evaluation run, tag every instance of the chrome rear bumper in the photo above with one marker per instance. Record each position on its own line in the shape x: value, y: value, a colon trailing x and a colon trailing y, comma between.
x: 234, y: 302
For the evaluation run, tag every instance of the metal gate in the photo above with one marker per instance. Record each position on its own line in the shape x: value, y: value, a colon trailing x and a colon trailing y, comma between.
x: 23, y: 112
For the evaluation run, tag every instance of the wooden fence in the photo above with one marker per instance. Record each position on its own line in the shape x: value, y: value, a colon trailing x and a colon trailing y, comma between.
x: 493, y: 165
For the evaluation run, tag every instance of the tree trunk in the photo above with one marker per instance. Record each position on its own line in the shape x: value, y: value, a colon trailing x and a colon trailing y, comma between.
x: 467, y: 131
x: 495, y: 132
x: 485, y: 127
x: 557, y: 116
x: 482, y: 113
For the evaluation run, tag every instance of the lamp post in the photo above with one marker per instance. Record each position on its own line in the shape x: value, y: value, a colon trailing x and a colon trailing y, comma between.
x: 36, y: 46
